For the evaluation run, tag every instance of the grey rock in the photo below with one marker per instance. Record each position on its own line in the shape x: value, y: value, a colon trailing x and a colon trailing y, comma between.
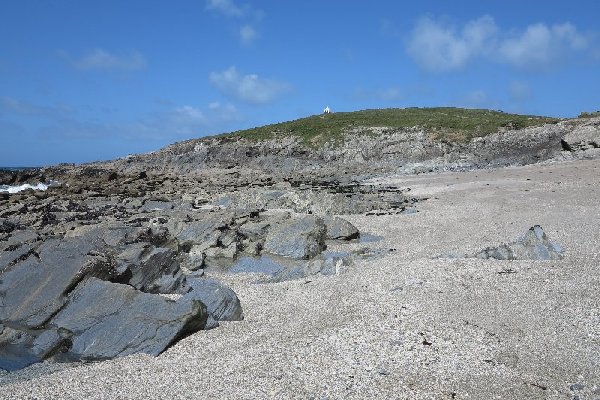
x: 325, y: 265
x: 157, y: 205
x: 113, y: 320
x: 221, y: 302
x: 12, y: 254
x: 153, y: 269
x: 19, y: 349
x: 577, y: 386
x: 340, y: 229
x: 34, y: 289
x: 205, y: 233
x: 194, y: 259
x: 300, y: 238
x: 582, y: 138
x: 534, y: 245
x: 254, y: 231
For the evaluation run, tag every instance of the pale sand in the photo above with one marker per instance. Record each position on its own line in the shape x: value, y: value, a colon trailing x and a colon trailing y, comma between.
x: 524, y: 335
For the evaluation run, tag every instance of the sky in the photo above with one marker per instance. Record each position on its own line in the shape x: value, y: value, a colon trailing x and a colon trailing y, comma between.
x: 92, y: 80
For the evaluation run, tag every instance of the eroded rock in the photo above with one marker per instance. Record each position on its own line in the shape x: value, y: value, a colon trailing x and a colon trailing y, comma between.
x: 113, y: 320
x: 35, y: 288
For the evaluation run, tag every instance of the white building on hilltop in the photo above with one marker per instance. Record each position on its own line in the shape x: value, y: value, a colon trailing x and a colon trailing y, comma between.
x: 327, y: 110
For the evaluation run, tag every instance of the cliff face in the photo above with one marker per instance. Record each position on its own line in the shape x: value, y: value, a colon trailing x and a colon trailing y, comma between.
x: 372, y: 149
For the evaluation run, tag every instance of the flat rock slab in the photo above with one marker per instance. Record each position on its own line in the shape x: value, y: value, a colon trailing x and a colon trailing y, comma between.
x: 34, y: 289
x: 113, y: 320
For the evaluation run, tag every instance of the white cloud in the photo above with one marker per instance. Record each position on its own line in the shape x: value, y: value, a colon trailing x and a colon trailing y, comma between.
x: 188, y: 114
x: 224, y: 112
x: 227, y: 7
x: 247, y: 34
x: 99, y: 59
x: 437, y: 47
x: 248, y: 16
x: 248, y: 88
x: 540, y: 46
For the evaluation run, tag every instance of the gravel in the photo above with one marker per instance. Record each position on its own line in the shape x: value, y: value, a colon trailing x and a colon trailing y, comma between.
x: 457, y: 328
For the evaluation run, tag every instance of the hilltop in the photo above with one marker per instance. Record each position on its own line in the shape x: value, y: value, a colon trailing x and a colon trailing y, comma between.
x: 411, y: 140
x: 444, y: 123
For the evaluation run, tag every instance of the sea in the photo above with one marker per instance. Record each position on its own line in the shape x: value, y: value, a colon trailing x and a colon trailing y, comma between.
x: 19, y: 188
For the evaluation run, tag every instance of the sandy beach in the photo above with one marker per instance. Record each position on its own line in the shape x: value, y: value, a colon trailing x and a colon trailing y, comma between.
x: 402, y: 324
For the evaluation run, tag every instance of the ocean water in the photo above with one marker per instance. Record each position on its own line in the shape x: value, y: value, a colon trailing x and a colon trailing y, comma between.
x: 20, y: 188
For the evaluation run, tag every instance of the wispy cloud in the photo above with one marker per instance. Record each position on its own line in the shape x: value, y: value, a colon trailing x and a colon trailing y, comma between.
x: 23, y: 108
x: 248, y: 88
x: 172, y: 123
x: 226, y: 7
x: 437, y: 46
x: 99, y: 59
x: 248, y: 34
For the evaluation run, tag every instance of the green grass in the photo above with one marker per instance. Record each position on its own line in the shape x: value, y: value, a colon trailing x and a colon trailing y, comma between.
x: 589, y: 114
x: 448, y: 123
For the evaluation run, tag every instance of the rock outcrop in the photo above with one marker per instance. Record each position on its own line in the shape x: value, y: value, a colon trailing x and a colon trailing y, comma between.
x: 534, y: 245
x: 110, y: 320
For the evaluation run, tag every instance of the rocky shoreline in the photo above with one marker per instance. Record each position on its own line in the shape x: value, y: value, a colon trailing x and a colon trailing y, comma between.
x: 124, y: 257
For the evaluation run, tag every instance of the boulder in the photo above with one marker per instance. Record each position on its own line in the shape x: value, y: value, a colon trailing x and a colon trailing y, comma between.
x: 35, y: 288
x: 221, y: 302
x: 534, y: 245
x: 110, y: 320
x: 340, y: 229
x: 300, y: 238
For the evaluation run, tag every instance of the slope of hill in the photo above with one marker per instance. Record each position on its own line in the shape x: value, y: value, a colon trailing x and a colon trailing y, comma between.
x: 405, y: 140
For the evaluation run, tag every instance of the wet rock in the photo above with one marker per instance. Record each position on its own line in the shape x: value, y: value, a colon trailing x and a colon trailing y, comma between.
x: 300, y: 238
x: 340, y: 229
x: 35, y: 288
x: 534, y: 245
x: 19, y: 349
x: 113, y: 320
x: 221, y: 302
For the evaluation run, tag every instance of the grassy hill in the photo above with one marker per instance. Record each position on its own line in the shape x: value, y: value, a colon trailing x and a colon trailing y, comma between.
x: 444, y: 123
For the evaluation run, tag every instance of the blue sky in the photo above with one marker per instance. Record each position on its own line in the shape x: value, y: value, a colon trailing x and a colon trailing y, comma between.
x: 91, y: 80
